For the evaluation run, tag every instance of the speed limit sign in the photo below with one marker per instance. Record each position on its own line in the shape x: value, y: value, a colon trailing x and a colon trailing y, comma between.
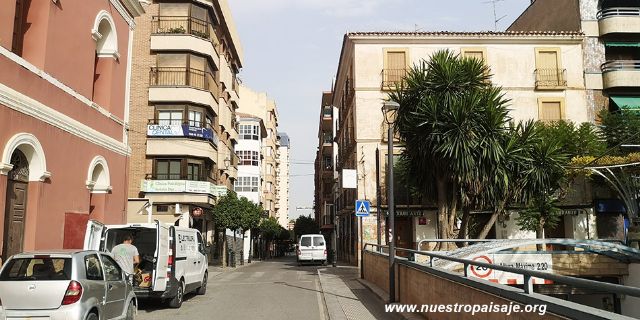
x: 481, y: 272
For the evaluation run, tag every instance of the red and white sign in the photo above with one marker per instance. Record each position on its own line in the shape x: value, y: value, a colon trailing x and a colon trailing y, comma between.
x: 527, y: 261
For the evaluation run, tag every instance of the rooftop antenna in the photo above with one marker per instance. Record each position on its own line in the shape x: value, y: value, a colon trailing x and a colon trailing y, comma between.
x: 495, y: 16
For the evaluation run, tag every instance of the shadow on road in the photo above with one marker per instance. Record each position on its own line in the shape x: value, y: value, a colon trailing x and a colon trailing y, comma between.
x: 149, y: 306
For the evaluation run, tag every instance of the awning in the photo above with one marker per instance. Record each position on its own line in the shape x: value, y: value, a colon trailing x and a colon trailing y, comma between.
x: 622, y: 44
x: 627, y: 103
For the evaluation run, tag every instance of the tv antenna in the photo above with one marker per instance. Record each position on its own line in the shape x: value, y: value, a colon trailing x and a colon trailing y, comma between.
x: 495, y: 16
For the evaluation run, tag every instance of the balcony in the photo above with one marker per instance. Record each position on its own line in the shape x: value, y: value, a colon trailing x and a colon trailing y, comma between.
x: 551, y: 79
x: 327, y: 113
x: 327, y: 139
x: 619, y: 20
x: 153, y: 185
x: 392, y: 78
x: 170, y: 84
x: 188, y: 129
x: 621, y: 73
x: 184, y: 33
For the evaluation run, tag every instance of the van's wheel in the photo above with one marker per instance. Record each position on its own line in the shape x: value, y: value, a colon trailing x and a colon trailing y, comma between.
x: 203, y: 287
x: 131, y: 311
x: 176, y: 302
x: 92, y: 316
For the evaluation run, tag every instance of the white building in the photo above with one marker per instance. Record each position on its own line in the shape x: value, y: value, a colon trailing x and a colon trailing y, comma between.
x: 283, y: 180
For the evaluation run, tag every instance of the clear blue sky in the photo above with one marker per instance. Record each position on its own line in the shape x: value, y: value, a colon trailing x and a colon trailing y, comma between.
x: 291, y: 50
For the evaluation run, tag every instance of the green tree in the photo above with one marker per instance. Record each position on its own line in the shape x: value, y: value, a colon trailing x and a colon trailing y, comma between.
x: 451, y: 120
x: 227, y: 215
x: 305, y: 225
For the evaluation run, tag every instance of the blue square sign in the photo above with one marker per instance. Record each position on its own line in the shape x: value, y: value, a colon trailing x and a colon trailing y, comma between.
x: 363, y: 208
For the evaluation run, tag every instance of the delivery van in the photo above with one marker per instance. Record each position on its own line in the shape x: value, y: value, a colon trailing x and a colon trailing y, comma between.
x: 312, y: 248
x: 173, y: 260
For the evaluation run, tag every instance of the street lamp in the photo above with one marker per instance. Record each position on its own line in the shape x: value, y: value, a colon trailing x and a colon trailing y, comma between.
x: 389, y: 110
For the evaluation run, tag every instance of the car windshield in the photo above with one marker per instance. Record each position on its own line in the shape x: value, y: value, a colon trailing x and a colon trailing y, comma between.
x: 305, y: 242
x: 318, y: 241
x: 37, y: 268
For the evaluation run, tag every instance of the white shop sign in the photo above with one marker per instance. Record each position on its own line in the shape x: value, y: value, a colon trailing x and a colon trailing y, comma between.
x: 528, y: 261
x: 159, y: 130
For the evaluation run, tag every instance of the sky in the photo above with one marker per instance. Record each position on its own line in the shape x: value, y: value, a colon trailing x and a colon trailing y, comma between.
x: 291, y: 50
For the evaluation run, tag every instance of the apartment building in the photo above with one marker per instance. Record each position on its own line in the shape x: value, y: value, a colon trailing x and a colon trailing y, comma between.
x: 282, y: 170
x: 64, y: 111
x: 325, y: 170
x: 540, y: 72
x: 259, y: 107
x: 187, y: 56
x: 611, y: 62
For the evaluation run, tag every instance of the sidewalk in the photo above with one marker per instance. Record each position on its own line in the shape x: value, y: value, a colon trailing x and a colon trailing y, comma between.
x: 347, y: 299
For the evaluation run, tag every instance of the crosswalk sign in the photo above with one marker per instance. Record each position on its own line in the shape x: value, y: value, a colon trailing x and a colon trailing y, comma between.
x: 363, y: 208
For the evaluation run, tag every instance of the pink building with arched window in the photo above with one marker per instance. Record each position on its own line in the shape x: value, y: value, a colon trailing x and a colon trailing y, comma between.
x: 64, y: 70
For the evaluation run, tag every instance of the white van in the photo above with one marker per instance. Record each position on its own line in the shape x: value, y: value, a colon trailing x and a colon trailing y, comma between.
x: 173, y: 259
x: 312, y: 248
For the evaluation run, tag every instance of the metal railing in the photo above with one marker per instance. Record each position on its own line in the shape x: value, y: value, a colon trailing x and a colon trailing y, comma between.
x: 617, y: 65
x: 617, y: 12
x: 179, y: 176
x: 393, y: 77
x: 191, y: 123
x: 551, y: 78
x: 327, y: 138
x: 181, y: 25
x: 527, y: 274
x: 183, y: 76
x: 327, y: 112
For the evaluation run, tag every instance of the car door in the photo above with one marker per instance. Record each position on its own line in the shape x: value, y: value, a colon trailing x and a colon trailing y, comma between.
x: 161, y: 267
x: 318, y: 247
x: 201, y: 257
x: 94, y: 236
x: 116, y: 292
x: 306, y: 248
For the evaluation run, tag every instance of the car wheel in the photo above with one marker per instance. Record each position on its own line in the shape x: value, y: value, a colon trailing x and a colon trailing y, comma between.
x: 176, y: 302
x: 131, y: 311
x: 203, y: 287
x: 92, y: 316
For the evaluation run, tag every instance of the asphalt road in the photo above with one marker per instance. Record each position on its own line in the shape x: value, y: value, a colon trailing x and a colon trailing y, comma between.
x: 275, y: 289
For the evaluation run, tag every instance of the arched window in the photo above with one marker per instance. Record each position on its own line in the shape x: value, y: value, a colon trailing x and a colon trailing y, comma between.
x: 30, y: 147
x: 98, y: 179
x: 106, y: 54
x: 105, y: 35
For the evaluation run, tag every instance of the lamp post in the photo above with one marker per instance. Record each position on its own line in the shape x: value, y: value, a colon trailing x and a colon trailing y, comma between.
x: 389, y: 108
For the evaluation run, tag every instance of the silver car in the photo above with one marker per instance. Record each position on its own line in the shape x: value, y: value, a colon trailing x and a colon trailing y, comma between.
x: 65, y: 285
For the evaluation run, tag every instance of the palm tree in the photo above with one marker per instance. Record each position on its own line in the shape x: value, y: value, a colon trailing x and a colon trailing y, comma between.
x: 452, y: 121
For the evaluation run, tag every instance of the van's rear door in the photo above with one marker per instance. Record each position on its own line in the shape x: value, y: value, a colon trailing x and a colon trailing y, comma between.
x: 94, y: 236
x: 162, y: 258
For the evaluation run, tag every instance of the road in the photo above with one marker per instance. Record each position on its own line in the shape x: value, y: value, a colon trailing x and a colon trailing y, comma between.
x: 275, y: 289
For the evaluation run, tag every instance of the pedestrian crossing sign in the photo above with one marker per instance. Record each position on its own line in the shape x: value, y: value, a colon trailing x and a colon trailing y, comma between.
x: 363, y: 208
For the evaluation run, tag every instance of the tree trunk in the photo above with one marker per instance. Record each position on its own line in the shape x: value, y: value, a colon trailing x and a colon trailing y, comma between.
x: 540, y: 233
x: 224, y: 248
x: 234, y: 247
x: 492, y: 220
x: 250, y: 245
x: 443, y: 213
x: 464, y: 226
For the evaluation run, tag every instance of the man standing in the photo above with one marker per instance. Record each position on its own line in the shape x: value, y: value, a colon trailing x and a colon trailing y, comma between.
x: 126, y: 254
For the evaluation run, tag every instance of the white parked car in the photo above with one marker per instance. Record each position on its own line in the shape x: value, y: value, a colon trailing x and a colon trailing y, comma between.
x: 173, y: 260
x: 65, y: 285
x: 312, y: 248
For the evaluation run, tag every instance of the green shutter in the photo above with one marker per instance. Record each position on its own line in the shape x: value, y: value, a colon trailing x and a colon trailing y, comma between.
x: 627, y: 103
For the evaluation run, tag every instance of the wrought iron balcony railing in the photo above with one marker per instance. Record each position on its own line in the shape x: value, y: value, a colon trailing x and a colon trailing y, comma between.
x: 179, y: 176
x: 551, y: 78
x: 393, y: 77
x: 181, y: 25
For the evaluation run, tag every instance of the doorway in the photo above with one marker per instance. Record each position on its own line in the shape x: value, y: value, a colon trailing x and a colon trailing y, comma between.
x: 16, y: 205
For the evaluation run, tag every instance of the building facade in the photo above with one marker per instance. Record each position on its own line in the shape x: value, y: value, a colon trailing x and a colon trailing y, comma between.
x: 611, y: 61
x: 282, y: 171
x: 63, y: 119
x: 325, y: 169
x: 187, y: 56
x: 540, y: 72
